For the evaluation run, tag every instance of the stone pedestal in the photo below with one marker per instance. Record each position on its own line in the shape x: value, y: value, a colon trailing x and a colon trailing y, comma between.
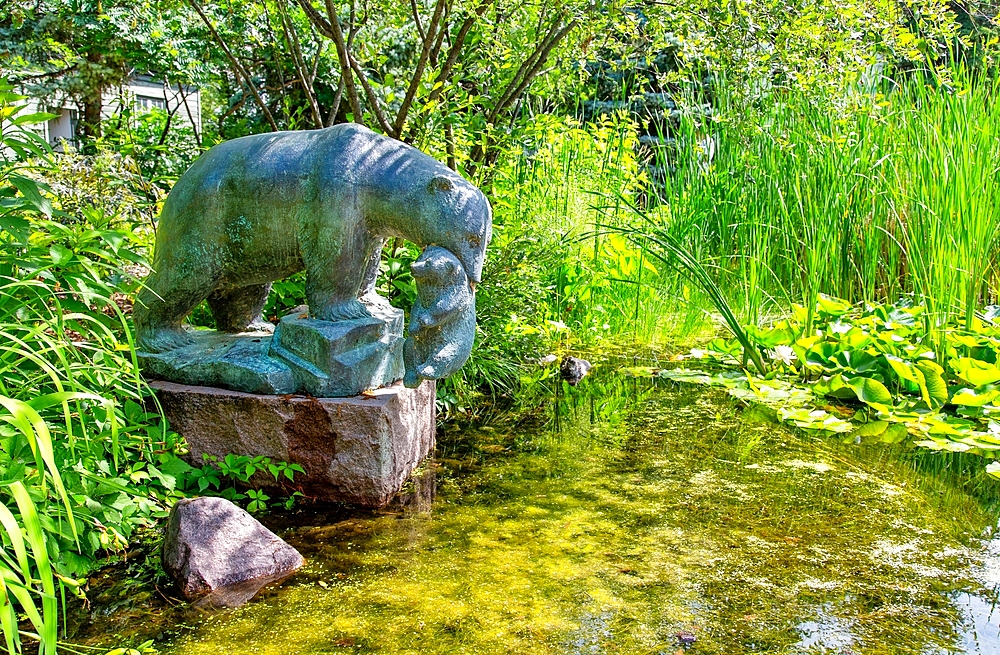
x: 358, y: 450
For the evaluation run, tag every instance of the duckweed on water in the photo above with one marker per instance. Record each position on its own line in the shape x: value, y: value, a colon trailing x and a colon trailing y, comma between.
x: 687, y: 520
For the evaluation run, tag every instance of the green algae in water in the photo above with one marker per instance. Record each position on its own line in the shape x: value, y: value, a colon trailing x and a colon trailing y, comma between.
x: 682, y: 515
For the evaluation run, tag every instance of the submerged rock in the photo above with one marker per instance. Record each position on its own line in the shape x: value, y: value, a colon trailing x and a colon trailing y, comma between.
x: 574, y: 369
x: 220, y: 556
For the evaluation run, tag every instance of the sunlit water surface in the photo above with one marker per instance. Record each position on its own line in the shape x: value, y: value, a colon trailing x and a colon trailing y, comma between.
x: 638, y: 518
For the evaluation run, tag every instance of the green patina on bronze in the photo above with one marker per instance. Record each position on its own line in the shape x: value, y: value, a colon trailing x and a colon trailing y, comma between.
x: 257, y: 209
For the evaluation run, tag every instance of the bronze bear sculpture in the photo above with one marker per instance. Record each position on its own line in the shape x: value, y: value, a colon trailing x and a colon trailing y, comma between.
x: 260, y: 208
x: 442, y: 320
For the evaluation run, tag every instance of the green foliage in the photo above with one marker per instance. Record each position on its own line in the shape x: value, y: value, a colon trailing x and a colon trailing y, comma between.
x: 72, y: 431
x: 230, y: 477
x: 83, y: 464
x: 159, y: 148
x: 872, y: 365
x: 83, y: 49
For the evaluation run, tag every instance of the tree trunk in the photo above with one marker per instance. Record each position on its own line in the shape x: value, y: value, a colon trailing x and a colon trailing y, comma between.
x: 90, y: 127
x: 93, y: 102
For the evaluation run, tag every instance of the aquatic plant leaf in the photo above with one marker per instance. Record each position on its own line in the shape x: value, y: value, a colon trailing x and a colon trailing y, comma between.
x: 821, y: 355
x: 971, y: 398
x: 993, y: 468
x: 943, y: 424
x: 943, y: 444
x: 904, y: 370
x: 770, y: 338
x: 832, y: 306
x: 817, y: 419
x: 895, y: 433
x: 856, y: 338
x: 871, y: 392
x: 933, y: 388
x: 976, y: 372
x: 871, y: 429
x: 858, y: 361
x: 965, y: 340
x: 905, y: 317
x: 981, y: 442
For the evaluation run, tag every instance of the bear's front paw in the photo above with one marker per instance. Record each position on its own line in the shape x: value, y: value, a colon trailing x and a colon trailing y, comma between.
x: 343, y: 311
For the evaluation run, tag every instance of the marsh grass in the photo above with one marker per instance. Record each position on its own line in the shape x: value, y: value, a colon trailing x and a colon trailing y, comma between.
x: 869, y: 197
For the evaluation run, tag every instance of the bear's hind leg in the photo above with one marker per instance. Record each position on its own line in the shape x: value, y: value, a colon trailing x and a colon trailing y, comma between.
x: 239, y: 309
x: 160, y: 308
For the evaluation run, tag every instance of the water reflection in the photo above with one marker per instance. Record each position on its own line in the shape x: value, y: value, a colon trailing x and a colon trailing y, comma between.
x: 635, y: 516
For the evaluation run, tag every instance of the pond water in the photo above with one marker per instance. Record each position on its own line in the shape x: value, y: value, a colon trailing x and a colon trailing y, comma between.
x: 641, y: 517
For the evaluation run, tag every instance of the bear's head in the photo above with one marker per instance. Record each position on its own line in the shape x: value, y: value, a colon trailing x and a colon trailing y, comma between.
x: 466, y: 220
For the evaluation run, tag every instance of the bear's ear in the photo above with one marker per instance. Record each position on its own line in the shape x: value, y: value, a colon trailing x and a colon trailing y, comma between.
x: 440, y: 183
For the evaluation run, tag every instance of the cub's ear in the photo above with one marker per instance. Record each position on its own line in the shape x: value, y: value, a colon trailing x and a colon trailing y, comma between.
x: 440, y: 183
x: 418, y: 268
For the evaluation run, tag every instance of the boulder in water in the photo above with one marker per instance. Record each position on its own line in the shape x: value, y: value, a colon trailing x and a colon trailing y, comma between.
x: 220, y: 556
x: 574, y: 369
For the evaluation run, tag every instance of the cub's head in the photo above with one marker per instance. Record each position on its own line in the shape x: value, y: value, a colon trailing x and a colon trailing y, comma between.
x: 443, y: 319
x: 436, y: 272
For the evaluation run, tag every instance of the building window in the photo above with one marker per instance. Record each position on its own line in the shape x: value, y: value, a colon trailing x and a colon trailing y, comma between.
x: 146, y: 103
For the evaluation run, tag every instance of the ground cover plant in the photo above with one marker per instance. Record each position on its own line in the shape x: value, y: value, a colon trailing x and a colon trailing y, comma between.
x: 85, y: 466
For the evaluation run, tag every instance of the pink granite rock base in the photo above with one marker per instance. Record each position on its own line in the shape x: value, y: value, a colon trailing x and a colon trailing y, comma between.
x: 358, y: 450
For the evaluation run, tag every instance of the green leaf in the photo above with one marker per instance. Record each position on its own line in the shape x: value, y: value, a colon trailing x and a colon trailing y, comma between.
x: 770, y: 338
x: 32, y: 195
x: 975, y: 372
x: 904, y: 370
x: 895, y: 433
x: 61, y: 255
x: 872, y: 429
x: 832, y: 306
x: 971, y: 398
x: 871, y: 392
x: 933, y: 387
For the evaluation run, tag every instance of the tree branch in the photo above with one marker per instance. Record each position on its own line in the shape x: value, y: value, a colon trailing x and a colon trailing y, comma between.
x: 526, y: 73
x: 418, y: 73
x: 332, y: 116
x: 416, y: 19
x: 317, y: 19
x: 237, y: 66
x: 299, y: 62
x: 345, y: 60
x: 456, y: 50
x: 372, y: 98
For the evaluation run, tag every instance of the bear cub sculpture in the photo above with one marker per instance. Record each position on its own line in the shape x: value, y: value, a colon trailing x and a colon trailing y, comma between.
x: 443, y: 318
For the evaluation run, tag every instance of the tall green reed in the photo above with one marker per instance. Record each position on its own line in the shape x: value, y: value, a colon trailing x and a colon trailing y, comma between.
x: 946, y: 198
x: 866, y: 197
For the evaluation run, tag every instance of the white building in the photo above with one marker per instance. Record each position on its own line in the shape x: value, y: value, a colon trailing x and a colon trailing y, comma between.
x: 144, y: 92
